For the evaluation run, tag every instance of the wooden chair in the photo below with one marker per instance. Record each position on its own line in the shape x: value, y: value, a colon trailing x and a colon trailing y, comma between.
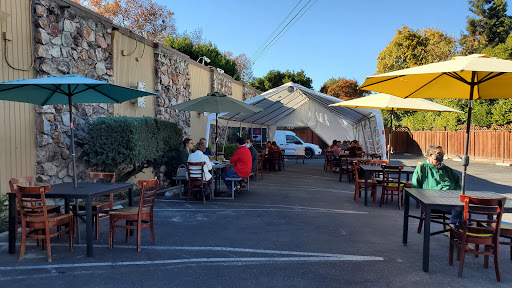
x: 346, y: 167
x: 486, y: 232
x: 35, y: 218
x: 136, y: 217
x: 100, y: 206
x: 282, y: 159
x: 391, y: 184
x: 378, y: 176
x: 30, y: 181
x: 275, y: 160
x: 330, y: 163
x: 259, y: 166
x: 195, y: 172
x: 360, y: 184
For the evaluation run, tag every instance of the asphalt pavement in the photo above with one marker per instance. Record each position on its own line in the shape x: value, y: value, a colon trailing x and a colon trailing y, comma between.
x: 295, y: 228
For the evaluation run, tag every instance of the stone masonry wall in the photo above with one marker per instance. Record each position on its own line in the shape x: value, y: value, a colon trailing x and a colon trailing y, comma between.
x: 67, y: 43
x: 249, y: 92
x: 172, y: 83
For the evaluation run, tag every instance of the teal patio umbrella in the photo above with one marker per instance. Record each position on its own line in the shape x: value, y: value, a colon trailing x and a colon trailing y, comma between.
x: 67, y: 89
x: 216, y: 102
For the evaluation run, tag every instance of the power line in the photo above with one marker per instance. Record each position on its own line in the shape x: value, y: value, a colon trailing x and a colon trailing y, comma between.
x: 283, y: 31
x: 270, y: 36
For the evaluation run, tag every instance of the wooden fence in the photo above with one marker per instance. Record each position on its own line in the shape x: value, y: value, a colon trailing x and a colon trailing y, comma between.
x: 492, y: 145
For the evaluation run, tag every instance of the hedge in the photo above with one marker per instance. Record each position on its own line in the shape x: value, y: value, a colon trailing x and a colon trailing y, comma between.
x: 132, y: 140
x: 229, y: 150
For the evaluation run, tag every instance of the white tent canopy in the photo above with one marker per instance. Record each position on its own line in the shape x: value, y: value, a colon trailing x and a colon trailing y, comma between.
x: 292, y: 105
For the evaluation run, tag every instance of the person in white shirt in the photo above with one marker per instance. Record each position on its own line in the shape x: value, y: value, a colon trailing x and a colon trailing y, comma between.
x: 198, y: 156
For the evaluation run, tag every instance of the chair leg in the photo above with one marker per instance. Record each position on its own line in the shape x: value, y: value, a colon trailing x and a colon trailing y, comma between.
x: 374, y: 189
x: 382, y: 195
x: 462, y: 257
x: 127, y: 230
x: 48, y: 244
x: 138, y: 235
x: 111, y: 233
x: 486, y: 257
x: 23, y: 242
x: 71, y: 234
x: 497, y: 262
x: 420, y: 225
x: 450, y: 253
x: 356, y: 192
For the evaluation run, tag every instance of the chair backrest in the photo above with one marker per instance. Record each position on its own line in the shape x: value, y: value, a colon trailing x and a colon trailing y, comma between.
x: 364, y: 161
x: 276, y: 155
x: 487, y: 229
x: 375, y: 156
x: 356, y: 168
x: 195, y: 171
x: 261, y: 158
x: 13, y: 182
x: 31, y: 201
x: 147, y: 194
x: 391, y: 175
x: 380, y: 162
x: 105, y: 177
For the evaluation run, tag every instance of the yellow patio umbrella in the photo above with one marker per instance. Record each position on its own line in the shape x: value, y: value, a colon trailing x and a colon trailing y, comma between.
x: 384, y: 101
x: 476, y: 76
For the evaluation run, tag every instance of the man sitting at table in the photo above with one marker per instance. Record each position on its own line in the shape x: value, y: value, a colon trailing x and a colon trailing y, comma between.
x: 254, y: 154
x: 207, y: 152
x: 242, y: 165
x: 434, y: 174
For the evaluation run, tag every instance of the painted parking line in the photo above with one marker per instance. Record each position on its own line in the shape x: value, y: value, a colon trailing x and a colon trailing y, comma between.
x: 254, y: 209
x: 298, y: 257
x: 290, y: 208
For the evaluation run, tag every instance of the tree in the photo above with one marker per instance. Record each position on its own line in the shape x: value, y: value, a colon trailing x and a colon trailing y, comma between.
x: 491, y: 27
x: 276, y: 78
x: 502, y: 50
x: 243, y: 65
x: 189, y: 46
x: 410, y: 48
x: 144, y: 17
x: 342, y: 88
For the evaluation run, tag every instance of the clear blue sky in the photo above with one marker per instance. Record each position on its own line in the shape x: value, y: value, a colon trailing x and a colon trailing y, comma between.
x: 333, y: 39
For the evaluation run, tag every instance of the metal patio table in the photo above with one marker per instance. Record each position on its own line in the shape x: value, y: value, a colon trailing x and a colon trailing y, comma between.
x: 86, y: 191
x: 370, y: 169
x: 442, y: 200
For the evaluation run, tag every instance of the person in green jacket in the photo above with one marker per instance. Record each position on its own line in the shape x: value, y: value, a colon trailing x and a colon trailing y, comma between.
x: 434, y: 174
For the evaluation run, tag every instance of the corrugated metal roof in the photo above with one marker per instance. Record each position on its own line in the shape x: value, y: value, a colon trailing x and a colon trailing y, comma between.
x: 279, y: 102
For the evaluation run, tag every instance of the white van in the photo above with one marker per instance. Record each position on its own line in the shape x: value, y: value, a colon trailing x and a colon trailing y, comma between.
x: 288, y: 141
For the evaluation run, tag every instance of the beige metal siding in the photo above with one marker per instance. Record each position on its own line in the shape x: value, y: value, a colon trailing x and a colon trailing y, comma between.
x: 200, y: 83
x: 17, y: 123
x: 238, y: 91
x: 128, y: 71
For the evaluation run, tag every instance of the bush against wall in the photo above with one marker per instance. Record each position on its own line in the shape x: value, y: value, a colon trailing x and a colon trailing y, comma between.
x: 127, y: 145
x: 229, y: 150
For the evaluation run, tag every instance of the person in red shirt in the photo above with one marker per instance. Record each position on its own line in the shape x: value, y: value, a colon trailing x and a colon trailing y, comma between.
x: 241, y: 162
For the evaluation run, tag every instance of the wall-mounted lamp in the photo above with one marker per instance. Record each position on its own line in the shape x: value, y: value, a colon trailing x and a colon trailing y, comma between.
x: 220, y: 71
x: 205, y: 59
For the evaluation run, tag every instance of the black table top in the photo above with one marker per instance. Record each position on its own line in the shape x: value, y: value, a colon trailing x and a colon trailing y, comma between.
x: 85, y: 189
x: 378, y: 168
x: 450, y: 199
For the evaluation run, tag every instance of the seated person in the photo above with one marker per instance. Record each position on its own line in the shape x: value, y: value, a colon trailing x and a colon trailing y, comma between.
x: 345, y: 145
x: 434, y: 174
x: 336, y: 149
x: 207, y: 152
x: 352, y: 149
x: 199, y: 156
x: 241, y: 162
x: 268, y: 147
x: 275, y: 147
x: 188, y: 145
x: 254, y: 154
x: 334, y: 143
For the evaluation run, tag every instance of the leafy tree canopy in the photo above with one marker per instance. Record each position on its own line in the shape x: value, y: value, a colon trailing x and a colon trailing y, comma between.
x: 345, y: 89
x: 144, y: 17
x: 195, y: 48
x: 276, y: 78
x: 410, y: 48
x: 489, y: 28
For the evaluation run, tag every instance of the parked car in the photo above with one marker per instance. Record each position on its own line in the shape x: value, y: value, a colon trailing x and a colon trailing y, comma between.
x: 288, y: 141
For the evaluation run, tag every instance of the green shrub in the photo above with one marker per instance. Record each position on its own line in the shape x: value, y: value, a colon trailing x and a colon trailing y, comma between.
x: 141, y: 142
x: 229, y: 150
x: 3, y: 213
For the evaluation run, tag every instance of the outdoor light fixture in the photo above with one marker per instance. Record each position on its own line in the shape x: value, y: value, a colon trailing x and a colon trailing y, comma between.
x: 290, y: 89
x: 220, y: 71
x: 204, y: 59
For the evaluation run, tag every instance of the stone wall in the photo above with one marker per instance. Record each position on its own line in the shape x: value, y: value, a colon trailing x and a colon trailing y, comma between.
x: 221, y: 83
x: 67, y: 43
x: 249, y: 92
x: 172, y: 83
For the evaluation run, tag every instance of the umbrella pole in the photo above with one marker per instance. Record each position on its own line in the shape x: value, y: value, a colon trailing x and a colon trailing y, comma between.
x: 72, y: 144
x: 216, y: 134
x: 389, y: 136
x: 465, y: 158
